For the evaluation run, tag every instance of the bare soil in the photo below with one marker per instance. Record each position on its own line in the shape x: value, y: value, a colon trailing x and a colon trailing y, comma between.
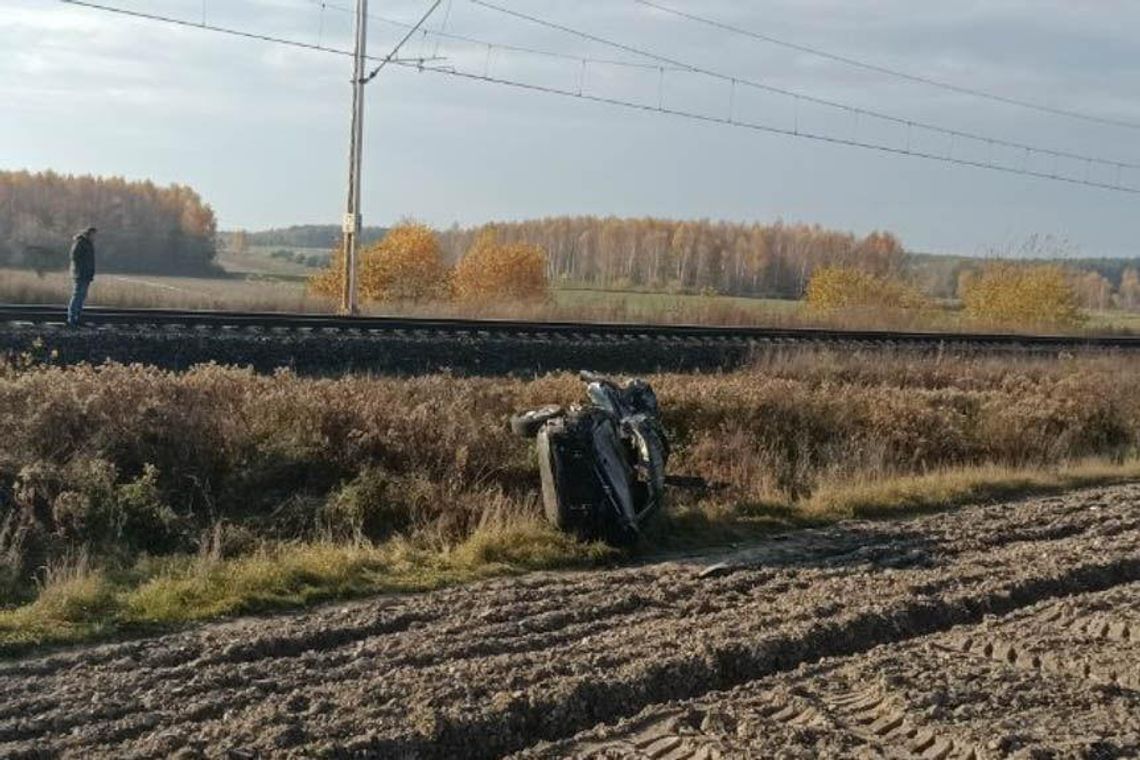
x: 1058, y: 679
x: 1001, y: 630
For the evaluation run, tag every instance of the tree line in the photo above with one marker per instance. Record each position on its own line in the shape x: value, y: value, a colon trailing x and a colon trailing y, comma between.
x: 768, y: 260
x: 299, y: 236
x: 142, y: 227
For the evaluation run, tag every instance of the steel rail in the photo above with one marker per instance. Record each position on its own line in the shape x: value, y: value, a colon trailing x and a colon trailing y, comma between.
x: 46, y: 314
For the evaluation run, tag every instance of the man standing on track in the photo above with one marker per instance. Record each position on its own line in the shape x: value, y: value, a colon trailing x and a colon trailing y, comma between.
x: 82, y: 273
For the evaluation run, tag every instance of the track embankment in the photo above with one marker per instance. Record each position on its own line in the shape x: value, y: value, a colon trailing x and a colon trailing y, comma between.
x: 983, y: 632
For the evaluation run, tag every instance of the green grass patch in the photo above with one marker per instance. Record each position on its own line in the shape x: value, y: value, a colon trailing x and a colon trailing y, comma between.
x: 84, y: 604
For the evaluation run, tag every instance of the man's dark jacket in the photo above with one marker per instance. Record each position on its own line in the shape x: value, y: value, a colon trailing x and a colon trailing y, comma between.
x: 83, y: 258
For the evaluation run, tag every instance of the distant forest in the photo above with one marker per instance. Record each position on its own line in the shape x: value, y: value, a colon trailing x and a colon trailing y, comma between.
x: 938, y: 274
x: 772, y: 260
x: 142, y: 227
x: 323, y: 236
x: 767, y: 260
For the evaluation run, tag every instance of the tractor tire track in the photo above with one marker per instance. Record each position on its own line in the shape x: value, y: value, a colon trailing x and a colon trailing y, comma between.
x: 501, y: 666
x: 965, y: 693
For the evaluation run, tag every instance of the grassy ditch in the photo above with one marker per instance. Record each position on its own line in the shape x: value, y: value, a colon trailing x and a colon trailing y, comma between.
x: 132, y: 497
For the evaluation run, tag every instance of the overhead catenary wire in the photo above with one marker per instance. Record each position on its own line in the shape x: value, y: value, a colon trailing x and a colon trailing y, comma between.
x: 320, y: 47
x: 1023, y: 170
x: 916, y: 78
x: 799, y: 96
x: 229, y: 31
x: 772, y: 129
x: 442, y: 34
x: 415, y: 27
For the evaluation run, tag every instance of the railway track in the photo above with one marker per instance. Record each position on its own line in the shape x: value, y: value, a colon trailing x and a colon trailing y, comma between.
x: 571, y: 331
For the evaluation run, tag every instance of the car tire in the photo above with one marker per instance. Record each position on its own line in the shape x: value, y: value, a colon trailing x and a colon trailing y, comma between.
x: 527, y: 424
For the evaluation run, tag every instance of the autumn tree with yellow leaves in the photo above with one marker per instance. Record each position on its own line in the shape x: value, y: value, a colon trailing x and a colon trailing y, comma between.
x: 143, y: 227
x: 1004, y: 293
x: 835, y: 288
x: 406, y: 265
x: 491, y: 270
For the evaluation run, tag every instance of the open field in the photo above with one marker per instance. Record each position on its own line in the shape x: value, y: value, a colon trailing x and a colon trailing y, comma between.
x: 259, y: 260
x: 249, y: 291
x: 258, y: 283
x: 1005, y: 630
x: 255, y: 287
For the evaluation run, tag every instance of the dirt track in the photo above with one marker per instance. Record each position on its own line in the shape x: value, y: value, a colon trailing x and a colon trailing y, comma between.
x: 1003, y: 630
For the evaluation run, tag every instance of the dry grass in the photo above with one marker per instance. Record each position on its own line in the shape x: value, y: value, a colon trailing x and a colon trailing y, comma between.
x: 901, y: 495
x: 218, y: 491
x: 250, y: 292
x: 239, y: 293
x: 283, y: 293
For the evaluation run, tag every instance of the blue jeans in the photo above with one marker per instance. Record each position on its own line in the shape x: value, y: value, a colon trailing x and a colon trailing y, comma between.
x: 78, y: 296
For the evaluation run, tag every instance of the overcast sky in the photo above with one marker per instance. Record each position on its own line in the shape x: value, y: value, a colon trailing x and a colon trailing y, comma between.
x: 261, y: 130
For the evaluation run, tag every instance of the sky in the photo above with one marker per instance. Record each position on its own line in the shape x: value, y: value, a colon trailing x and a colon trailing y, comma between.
x: 261, y: 130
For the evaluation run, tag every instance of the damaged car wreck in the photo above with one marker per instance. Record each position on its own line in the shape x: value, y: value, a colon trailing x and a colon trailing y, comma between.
x: 602, y: 464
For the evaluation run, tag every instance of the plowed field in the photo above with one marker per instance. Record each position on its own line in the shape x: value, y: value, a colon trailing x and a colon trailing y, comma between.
x: 1001, y: 630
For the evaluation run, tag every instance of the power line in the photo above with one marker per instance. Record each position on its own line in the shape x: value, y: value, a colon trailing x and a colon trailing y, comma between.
x: 388, y: 58
x: 731, y: 122
x: 960, y: 89
x: 659, y: 109
x: 226, y: 30
x: 230, y: 31
x: 440, y: 34
x: 908, y: 123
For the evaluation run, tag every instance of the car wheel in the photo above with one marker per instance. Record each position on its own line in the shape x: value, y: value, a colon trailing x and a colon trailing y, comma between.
x: 528, y: 424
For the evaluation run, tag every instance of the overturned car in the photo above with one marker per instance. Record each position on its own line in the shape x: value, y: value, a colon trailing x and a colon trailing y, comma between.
x: 602, y: 464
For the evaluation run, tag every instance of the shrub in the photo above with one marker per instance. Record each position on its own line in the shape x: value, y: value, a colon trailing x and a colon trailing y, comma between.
x: 836, y: 288
x: 372, y: 505
x: 407, y: 265
x: 494, y: 271
x: 1021, y: 296
x: 86, y: 503
x: 264, y: 458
